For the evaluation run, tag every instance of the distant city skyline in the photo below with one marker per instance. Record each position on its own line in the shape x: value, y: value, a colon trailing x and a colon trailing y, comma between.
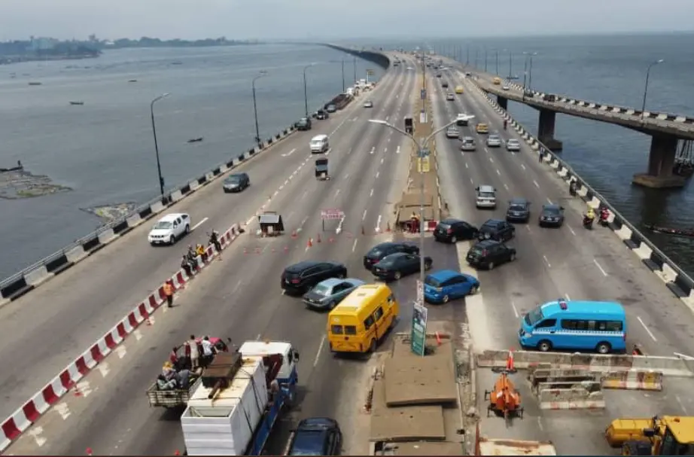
x: 318, y: 20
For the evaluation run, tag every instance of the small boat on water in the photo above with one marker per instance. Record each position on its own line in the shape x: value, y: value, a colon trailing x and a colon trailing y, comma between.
x: 671, y: 231
x: 34, y: 83
x: 77, y: 103
x: 132, y: 80
x: 195, y: 140
x: 19, y: 167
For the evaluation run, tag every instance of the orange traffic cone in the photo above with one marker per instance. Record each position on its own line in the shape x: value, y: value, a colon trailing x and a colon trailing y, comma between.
x: 310, y: 243
x: 509, y: 361
x: 294, y: 234
x: 438, y: 338
x: 177, y: 452
x: 89, y: 451
x: 318, y: 238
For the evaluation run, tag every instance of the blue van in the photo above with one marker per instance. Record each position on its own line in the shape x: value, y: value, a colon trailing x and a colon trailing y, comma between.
x: 577, y: 325
x: 443, y: 285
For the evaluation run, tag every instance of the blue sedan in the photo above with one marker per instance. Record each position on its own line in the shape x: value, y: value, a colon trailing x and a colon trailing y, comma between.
x: 443, y: 285
x: 327, y: 294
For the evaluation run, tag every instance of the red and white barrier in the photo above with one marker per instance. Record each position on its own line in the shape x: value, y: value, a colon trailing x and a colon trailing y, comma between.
x: 26, y: 415
x: 431, y: 226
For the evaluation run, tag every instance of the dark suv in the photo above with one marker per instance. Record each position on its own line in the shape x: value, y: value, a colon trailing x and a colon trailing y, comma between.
x: 304, y: 124
x: 452, y: 230
x: 496, y: 229
x: 300, y: 277
x: 489, y: 253
x: 378, y: 252
x: 316, y: 436
x: 518, y: 210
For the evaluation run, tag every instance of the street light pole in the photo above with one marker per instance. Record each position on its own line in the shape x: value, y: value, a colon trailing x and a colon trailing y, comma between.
x: 343, y: 76
x: 355, y: 69
x: 156, y: 144
x: 421, y: 148
x: 525, y: 70
x: 645, y: 89
x: 497, y: 61
x: 485, y: 60
x: 305, y: 90
x: 530, y: 73
x: 467, y: 56
x: 255, y: 106
x: 510, y: 64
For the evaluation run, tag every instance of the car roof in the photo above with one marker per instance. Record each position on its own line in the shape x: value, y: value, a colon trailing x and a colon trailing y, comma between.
x: 236, y: 175
x: 512, y: 140
x: 301, y: 266
x: 395, y: 255
x: 486, y: 188
x: 317, y: 421
x: 518, y: 201
x: 172, y: 217
x: 468, y: 138
x: 450, y: 221
x: 493, y: 222
x: 445, y: 275
x: 486, y: 243
x: 552, y: 206
x: 581, y: 306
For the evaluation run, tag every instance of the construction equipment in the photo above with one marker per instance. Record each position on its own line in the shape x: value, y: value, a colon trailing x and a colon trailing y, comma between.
x: 660, y: 435
x: 504, y: 400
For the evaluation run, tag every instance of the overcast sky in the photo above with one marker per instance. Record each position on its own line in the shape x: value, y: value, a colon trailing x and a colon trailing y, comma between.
x: 336, y: 19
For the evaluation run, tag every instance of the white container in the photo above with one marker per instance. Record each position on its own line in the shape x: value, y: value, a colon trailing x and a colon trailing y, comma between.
x: 225, y: 424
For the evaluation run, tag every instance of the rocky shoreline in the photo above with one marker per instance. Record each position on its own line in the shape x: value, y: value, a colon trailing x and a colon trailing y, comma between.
x: 16, y: 184
x: 110, y: 213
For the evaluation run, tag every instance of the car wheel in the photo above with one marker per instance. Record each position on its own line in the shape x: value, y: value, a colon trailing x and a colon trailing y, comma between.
x: 512, y: 257
x: 490, y: 266
x: 372, y: 348
x: 603, y: 348
x: 473, y: 290
x: 427, y: 266
x: 454, y: 239
x: 544, y: 346
x: 331, y: 305
x: 342, y: 275
x: 487, y: 236
x: 397, y: 275
x: 187, y: 228
x: 445, y: 299
x: 172, y: 240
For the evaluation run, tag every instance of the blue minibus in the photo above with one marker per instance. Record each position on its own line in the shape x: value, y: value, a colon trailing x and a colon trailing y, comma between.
x: 577, y: 325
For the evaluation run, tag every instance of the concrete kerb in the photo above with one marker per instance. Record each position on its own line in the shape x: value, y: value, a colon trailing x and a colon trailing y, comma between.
x: 677, y: 281
x: 36, y: 406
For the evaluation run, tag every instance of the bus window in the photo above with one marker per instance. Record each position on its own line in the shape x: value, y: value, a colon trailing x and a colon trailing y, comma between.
x: 547, y: 323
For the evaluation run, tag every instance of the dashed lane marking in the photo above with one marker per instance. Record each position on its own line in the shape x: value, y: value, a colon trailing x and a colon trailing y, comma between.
x: 647, y: 329
x: 199, y: 223
x: 371, y: 194
x: 498, y: 172
x: 372, y: 150
x: 515, y: 311
x: 354, y: 246
x: 320, y: 349
x: 289, y: 153
x: 536, y: 184
x: 363, y: 217
x: 604, y: 273
x: 377, y: 174
x: 547, y: 261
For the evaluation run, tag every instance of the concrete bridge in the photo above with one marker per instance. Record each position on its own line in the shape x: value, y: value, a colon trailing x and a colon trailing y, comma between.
x: 376, y: 56
x: 665, y: 129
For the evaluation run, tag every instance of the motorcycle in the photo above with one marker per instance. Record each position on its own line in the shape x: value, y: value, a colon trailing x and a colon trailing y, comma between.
x: 604, y: 216
x: 588, y: 222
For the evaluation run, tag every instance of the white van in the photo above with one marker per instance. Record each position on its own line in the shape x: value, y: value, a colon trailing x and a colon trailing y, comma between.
x: 486, y: 197
x: 319, y: 144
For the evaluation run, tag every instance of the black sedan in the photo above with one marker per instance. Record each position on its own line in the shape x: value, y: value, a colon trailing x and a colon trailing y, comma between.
x: 379, y: 251
x: 486, y: 254
x: 551, y: 216
x: 395, y: 266
x: 301, y: 277
x: 451, y: 230
x: 518, y: 210
x: 315, y: 436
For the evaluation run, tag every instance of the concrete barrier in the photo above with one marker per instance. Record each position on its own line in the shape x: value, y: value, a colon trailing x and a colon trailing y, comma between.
x: 194, y: 185
x: 76, y: 254
x: 134, y: 220
x: 668, y: 366
x: 37, y: 276
x: 157, y: 207
x: 176, y: 195
x: 572, y: 398
x: 106, y: 236
x: 633, y: 380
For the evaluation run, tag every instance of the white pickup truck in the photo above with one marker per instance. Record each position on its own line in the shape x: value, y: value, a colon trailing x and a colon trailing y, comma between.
x: 169, y: 229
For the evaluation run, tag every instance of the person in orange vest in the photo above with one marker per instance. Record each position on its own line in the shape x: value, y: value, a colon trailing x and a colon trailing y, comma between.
x: 169, y: 292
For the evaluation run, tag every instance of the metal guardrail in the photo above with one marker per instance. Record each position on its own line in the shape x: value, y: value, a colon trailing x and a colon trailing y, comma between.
x: 604, y: 200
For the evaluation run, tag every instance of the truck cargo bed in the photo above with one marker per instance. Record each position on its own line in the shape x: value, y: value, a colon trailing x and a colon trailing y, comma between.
x: 515, y: 447
x: 170, y: 398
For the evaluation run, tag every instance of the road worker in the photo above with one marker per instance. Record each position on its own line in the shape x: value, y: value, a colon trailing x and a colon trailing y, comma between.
x: 169, y: 292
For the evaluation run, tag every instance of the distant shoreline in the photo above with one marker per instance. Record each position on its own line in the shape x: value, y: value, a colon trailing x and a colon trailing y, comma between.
x: 19, y: 59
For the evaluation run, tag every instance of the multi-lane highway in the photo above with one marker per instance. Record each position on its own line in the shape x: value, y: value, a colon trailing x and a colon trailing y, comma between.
x: 237, y: 297
x: 568, y: 262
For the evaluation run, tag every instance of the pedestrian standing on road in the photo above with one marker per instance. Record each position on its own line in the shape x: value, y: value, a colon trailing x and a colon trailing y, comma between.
x: 186, y: 266
x: 193, y: 353
x: 169, y: 292
x: 214, y: 239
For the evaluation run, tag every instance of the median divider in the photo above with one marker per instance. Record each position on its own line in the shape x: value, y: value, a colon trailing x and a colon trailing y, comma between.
x: 676, y: 280
x: 634, y: 380
x: 67, y: 379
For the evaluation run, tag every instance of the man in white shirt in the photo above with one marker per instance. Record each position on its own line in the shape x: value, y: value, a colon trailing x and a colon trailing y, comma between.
x: 192, y: 349
x: 208, y: 350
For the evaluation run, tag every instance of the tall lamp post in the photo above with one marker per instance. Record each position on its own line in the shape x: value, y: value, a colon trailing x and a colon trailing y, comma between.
x: 421, y: 148
x: 496, y: 51
x: 355, y: 69
x: 156, y: 144
x: 510, y: 64
x: 645, y: 89
x: 342, y: 62
x: 255, y: 106
x: 305, y: 90
x: 485, y: 60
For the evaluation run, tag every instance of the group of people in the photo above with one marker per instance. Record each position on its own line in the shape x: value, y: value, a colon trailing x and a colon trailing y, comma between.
x: 178, y: 370
x: 414, y: 224
x: 189, y: 261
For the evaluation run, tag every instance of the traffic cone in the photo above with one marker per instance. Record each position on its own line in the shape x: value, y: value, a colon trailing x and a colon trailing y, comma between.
x: 310, y: 243
x: 89, y: 451
x: 331, y: 240
x: 438, y: 338
x: 286, y: 249
x: 509, y: 361
x: 294, y: 234
x: 388, y: 227
x: 177, y: 452
x: 78, y: 393
x: 257, y: 250
x: 245, y: 251
x: 149, y: 322
x: 318, y: 238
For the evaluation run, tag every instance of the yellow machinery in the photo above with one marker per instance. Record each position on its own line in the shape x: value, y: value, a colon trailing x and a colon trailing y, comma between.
x: 661, y: 435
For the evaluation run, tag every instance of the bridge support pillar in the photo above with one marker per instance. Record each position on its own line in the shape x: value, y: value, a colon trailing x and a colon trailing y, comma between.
x: 545, y: 130
x: 661, y: 162
x: 502, y: 101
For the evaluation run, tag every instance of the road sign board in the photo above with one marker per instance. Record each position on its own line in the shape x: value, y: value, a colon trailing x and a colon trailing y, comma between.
x: 418, y: 336
x: 424, y: 94
x: 420, y: 292
x: 423, y: 165
x: 422, y: 117
x: 332, y: 214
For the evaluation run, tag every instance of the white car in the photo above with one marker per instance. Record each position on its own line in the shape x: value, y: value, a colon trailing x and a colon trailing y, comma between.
x: 368, y: 104
x: 505, y: 87
x: 450, y: 97
x: 513, y: 145
x: 452, y: 132
x: 494, y: 141
x: 468, y: 144
x: 169, y: 229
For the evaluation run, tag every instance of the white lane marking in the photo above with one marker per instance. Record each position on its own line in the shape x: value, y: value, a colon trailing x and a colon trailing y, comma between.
x: 371, y: 194
x: 327, y: 153
x: 398, y: 150
x: 486, y: 150
x: 103, y: 369
x: 471, y: 182
x: 378, y: 223
x: 337, y: 192
x: 505, y: 186
x: 236, y: 287
x: 121, y: 351
x: 199, y: 223
x: 491, y: 160
x: 275, y: 194
x: 539, y: 423
x: 281, y: 187
x: 498, y: 172
x: 354, y: 246
x: 320, y: 349
x: 599, y: 267
x: 286, y: 181
x: 547, y: 261
x: 304, y: 194
x: 257, y: 338
x: 681, y: 404
x: 523, y: 166
x: 337, y: 128
x: 387, y: 117
x: 382, y: 159
x: 647, y: 329
x: 63, y: 410
x: 289, y: 153
x: 363, y: 217
x: 36, y: 433
x: 250, y: 221
x: 385, y: 150
x: 346, y: 175
x: 466, y: 165
x: 388, y: 139
x: 515, y: 311
x: 527, y: 227
x: 303, y: 221
x: 536, y: 184
x: 372, y: 150
x: 572, y: 231
x: 549, y: 201
x: 354, y: 119
x: 378, y: 173
x: 567, y: 297
x: 138, y: 334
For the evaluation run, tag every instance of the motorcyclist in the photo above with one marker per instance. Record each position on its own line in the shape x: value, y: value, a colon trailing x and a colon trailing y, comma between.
x: 590, y: 214
x: 572, y: 187
x: 505, y: 124
x: 214, y: 239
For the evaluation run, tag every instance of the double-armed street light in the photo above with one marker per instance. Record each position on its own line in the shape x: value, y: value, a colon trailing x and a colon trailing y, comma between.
x: 156, y: 144
x: 255, y: 106
x: 645, y: 89
x: 305, y: 90
x: 422, y: 152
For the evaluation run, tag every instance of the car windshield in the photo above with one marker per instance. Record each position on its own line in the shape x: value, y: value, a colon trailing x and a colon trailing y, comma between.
x: 444, y: 226
x: 552, y: 211
x: 233, y: 179
x: 431, y: 281
x: 534, y: 316
x: 308, y: 442
x: 489, y: 227
x: 387, y: 261
x: 512, y: 141
x: 517, y: 207
x: 322, y: 289
x: 493, y: 137
x: 163, y: 225
x: 486, y: 195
